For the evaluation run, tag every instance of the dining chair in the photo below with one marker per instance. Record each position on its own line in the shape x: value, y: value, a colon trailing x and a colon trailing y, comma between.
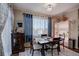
x: 55, y: 44
x: 62, y: 38
x: 43, y: 35
x: 35, y: 46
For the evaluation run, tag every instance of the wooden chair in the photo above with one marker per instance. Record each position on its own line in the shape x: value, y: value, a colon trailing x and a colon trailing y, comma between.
x: 56, y: 41
x: 43, y: 35
x: 55, y: 44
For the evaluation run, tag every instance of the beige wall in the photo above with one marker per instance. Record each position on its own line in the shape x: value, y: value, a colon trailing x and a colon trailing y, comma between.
x: 52, y: 28
x: 73, y: 25
x: 73, y: 21
x: 18, y: 17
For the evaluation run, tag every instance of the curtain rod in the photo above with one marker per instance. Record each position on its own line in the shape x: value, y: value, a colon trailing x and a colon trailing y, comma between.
x: 39, y: 15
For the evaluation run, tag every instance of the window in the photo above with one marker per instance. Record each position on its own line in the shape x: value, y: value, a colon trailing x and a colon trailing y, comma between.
x: 40, y: 25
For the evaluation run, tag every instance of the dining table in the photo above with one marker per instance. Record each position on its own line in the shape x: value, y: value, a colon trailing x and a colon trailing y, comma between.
x: 44, y: 41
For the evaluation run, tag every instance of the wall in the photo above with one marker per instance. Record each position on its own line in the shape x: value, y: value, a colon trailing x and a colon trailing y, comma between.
x: 6, y: 37
x: 53, y: 28
x: 73, y: 25
x: 6, y: 31
x: 3, y: 16
x: 18, y: 17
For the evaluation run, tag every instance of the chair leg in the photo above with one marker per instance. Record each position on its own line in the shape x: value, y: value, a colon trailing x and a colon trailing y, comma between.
x: 46, y: 48
x: 52, y: 51
x: 58, y: 50
x: 32, y: 52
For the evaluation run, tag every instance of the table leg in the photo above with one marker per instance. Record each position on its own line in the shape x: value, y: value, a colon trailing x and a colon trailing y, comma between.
x: 42, y: 51
x: 58, y: 47
x: 52, y: 49
x: 63, y: 43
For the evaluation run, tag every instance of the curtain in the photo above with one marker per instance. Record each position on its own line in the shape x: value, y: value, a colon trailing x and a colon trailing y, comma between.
x: 36, y: 25
x: 49, y: 26
x: 28, y: 28
x: 40, y: 25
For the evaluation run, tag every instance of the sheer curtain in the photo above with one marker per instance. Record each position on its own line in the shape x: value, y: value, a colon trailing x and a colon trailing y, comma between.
x: 40, y: 25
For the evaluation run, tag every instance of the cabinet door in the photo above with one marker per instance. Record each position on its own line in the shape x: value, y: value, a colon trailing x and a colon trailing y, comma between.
x: 21, y: 41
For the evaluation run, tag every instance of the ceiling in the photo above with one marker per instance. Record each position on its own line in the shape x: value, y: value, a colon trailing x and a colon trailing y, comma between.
x: 42, y: 7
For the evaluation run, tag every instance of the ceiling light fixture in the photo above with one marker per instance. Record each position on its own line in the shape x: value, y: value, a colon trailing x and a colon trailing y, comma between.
x: 50, y: 6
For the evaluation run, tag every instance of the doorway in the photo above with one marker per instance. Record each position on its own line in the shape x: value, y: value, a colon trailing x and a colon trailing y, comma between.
x: 62, y: 28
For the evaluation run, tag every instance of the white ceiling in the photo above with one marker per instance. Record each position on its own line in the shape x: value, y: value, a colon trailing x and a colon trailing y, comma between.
x: 42, y: 7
